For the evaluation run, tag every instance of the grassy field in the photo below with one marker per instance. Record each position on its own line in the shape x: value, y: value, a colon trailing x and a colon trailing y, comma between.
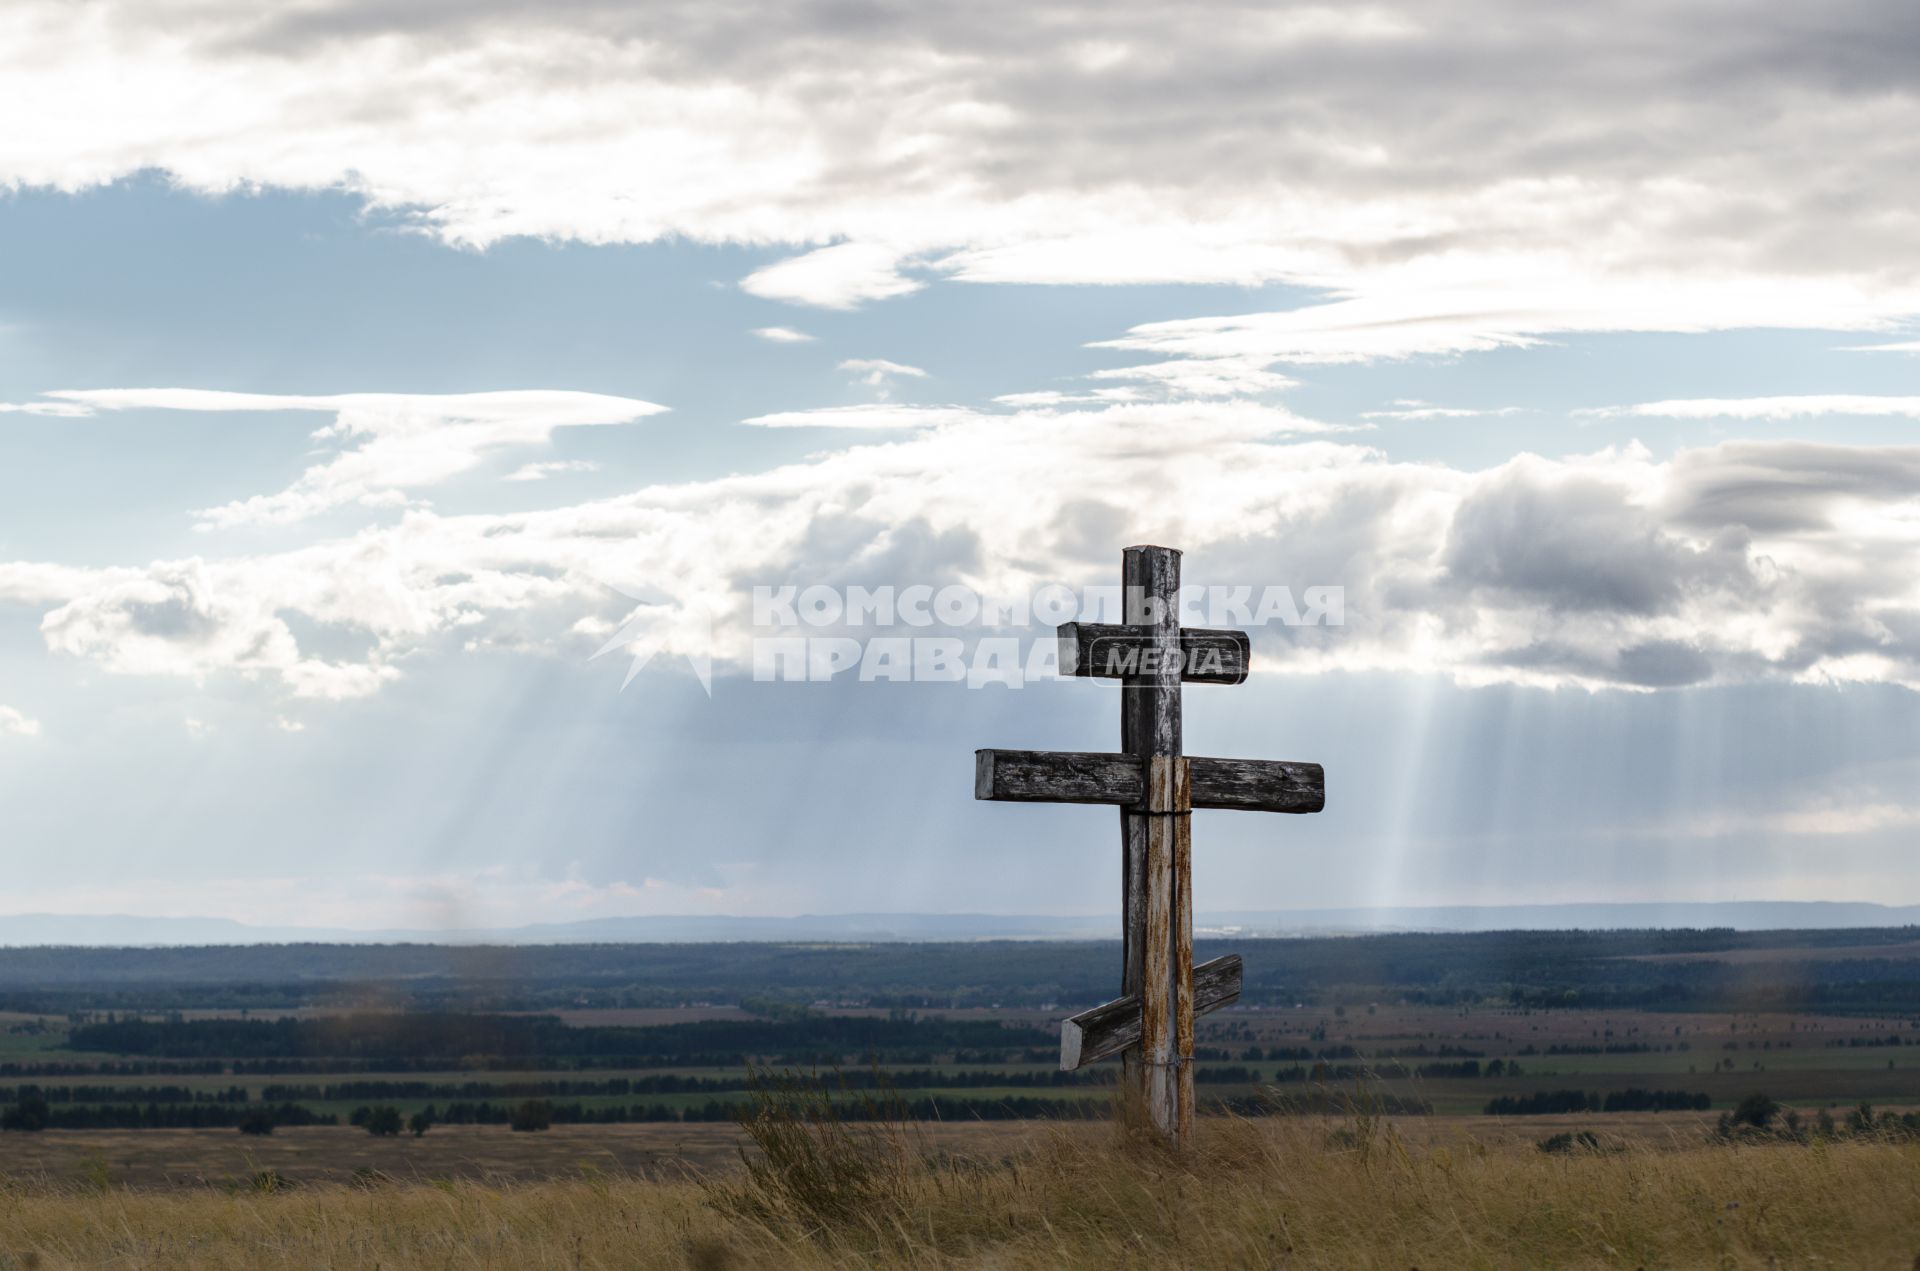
x: 150, y: 1159
x: 961, y: 1188
x: 1271, y: 1193
x: 219, y: 1158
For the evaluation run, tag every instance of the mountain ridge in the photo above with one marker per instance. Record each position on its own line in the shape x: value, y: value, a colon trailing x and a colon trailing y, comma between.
x: 44, y: 929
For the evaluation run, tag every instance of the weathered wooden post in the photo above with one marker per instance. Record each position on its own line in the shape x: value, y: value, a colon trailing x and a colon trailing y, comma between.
x: 1157, y: 788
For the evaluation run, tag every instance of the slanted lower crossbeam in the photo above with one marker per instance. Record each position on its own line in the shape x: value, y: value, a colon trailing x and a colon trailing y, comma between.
x: 1107, y: 1030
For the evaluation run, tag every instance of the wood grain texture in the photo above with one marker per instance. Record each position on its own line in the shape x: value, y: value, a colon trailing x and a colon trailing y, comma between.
x: 1065, y: 776
x: 1114, y: 1027
x: 1156, y: 992
x: 1151, y: 727
x: 1150, y: 602
x: 1057, y: 776
x: 1107, y: 650
x: 1182, y: 969
x: 1169, y: 788
x: 1133, y: 912
x: 1258, y: 785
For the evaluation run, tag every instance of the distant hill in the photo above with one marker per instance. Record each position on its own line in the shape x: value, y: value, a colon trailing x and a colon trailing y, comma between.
x: 1750, y: 915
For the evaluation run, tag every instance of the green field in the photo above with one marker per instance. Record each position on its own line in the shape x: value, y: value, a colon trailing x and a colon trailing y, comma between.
x: 1606, y: 1026
x: 1281, y: 1055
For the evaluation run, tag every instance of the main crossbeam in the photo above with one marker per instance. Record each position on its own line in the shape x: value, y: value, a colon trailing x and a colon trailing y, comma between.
x: 1065, y: 776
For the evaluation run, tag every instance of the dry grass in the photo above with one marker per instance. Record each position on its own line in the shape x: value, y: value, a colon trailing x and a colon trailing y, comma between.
x: 1279, y: 1193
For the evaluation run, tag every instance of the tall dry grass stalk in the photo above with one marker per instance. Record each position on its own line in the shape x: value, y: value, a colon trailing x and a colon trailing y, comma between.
x: 1274, y: 1193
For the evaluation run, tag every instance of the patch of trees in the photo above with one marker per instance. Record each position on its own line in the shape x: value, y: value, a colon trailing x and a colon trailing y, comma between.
x: 1632, y: 1099
x: 926, y: 1107
x: 1225, y: 1075
x: 34, y: 1113
x: 1608, y: 1048
x: 1464, y: 1068
x: 1761, y: 1116
x: 1319, y: 1103
x: 130, y: 1094
x: 113, y: 1068
x: 675, y: 1083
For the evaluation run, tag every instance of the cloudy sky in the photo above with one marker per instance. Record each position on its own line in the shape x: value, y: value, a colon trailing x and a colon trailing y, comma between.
x: 366, y: 367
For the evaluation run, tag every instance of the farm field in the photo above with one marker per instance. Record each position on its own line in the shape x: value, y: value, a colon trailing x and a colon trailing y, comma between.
x: 1517, y: 1024
x: 169, y: 1116
x: 125, y: 1082
x: 1519, y: 1099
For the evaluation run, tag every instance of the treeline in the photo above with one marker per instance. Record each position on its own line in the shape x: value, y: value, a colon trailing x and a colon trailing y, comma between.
x: 923, y: 1108
x: 853, y: 1080
x: 1321, y: 1102
x: 673, y: 1083
x: 114, y: 1068
x: 448, y: 1038
x: 1608, y: 1048
x: 158, y: 1116
x: 1303, y: 1054
x: 123, y: 1094
x: 1632, y: 1099
x: 1396, y: 1071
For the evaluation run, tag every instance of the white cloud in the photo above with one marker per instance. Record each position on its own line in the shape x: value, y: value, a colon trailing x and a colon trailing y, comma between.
x: 449, y: 900
x: 1203, y: 377
x: 879, y: 374
x: 1769, y: 408
x: 196, y: 618
x: 877, y: 370
x: 1826, y: 818
x: 391, y: 442
x: 550, y: 468
x: 62, y: 410
x: 1738, y: 562
x: 843, y: 276
x: 1438, y: 311
x: 15, y: 724
x: 872, y: 415
x: 1905, y: 346
x: 1057, y: 397
x: 1062, y: 142
x: 1408, y: 408
x: 39, y: 583
x: 783, y: 335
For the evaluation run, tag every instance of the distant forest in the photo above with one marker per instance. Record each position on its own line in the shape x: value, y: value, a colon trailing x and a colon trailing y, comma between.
x: 1593, y: 969
x: 447, y: 1039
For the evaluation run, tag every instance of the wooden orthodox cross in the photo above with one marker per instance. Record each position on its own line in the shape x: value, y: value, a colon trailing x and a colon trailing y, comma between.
x: 1157, y: 787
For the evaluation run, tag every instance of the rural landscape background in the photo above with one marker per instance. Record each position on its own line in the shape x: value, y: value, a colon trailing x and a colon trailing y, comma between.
x: 1511, y: 1097
x: 519, y: 522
